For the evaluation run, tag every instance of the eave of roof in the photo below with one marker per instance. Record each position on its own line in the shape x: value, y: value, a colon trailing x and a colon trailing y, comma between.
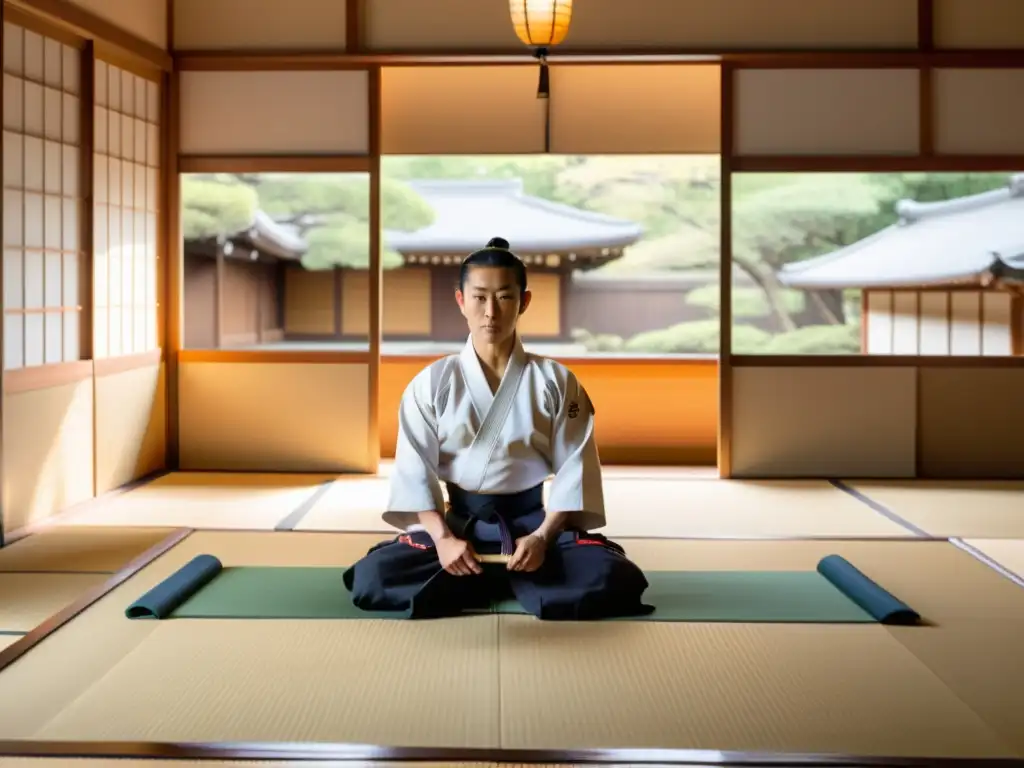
x: 267, y: 235
x: 469, y: 213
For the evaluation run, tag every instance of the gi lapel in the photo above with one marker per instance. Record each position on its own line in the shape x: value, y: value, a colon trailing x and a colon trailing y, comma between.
x: 493, y: 411
x: 476, y: 382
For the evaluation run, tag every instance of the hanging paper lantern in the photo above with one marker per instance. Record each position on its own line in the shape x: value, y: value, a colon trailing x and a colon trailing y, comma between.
x: 541, y: 23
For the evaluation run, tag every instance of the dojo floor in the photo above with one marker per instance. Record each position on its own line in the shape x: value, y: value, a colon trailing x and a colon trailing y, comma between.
x: 954, y: 551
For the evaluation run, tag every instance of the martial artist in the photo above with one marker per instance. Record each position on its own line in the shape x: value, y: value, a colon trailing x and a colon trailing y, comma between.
x: 493, y: 423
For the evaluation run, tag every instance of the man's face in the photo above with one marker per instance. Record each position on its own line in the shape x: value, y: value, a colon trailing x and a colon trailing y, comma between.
x: 491, y: 303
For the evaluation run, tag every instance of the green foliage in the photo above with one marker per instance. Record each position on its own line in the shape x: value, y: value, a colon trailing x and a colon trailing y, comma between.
x: 330, y: 211
x: 701, y: 338
x: 803, y: 217
x: 689, y: 249
x: 540, y: 173
x: 777, y: 218
x: 292, y: 196
x: 343, y: 244
x: 666, y: 195
x: 932, y: 187
x: 746, y: 302
x: 697, y: 337
x: 816, y: 340
x: 601, y: 342
x: 748, y: 339
x: 401, y: 209
x: 213, y: 207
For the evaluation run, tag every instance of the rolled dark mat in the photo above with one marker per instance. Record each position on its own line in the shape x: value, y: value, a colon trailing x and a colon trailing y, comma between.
x: 883, y: 607
x: 162, y: 599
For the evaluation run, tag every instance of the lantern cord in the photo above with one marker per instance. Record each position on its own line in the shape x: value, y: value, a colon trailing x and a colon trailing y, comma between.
x: 544, y: 86
x: 544, y: 92
x: 547, y: 126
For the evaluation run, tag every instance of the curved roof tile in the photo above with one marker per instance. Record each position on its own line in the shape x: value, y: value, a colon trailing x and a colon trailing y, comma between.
x: 282, y: 239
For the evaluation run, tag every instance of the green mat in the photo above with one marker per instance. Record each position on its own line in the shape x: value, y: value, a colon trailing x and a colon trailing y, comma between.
x: 836, y: 592
x: 726, y: 596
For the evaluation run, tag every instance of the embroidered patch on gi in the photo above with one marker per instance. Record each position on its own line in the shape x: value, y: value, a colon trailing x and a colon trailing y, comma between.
x: 407, y: 539
x: 574, y: 410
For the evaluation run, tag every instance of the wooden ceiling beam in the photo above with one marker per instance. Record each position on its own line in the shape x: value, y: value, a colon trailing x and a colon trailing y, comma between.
x: 224, y: 61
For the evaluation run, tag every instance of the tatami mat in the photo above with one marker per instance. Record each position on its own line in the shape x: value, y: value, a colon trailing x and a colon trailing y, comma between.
x: 983, y: 663
x: 70, y: 549
x: 953, y: 508
x: 35, y: 688
x: 371, y: 682
x: 825, y: 689
x: 819, y: 688
x: 1008, y: 553
x: 349, y: 504
x: 940, y: 581
x: 738, y: 508
x: 640, y: 504
x: 28, y: 599
x: 661, y: 507
x: 204, y: 500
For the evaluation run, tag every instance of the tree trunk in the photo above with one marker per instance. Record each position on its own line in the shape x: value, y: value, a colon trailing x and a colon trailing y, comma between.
x: 769, y: 283
x: 823, y: 309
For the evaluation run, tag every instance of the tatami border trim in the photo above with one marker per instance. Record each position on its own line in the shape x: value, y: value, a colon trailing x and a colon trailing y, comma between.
x: 384, y: 534
x: 341, y: 753
x: 293, y: 518
x: 14, y: 652
x: 881, y: 509
x: 991, y: 562
x: 628, y: 537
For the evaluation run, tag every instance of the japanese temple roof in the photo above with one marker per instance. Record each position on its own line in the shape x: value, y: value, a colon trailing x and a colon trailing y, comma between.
x: 952, y: 241
x: 275, y: 239
x: 469, y: 213
x: 262, y: 234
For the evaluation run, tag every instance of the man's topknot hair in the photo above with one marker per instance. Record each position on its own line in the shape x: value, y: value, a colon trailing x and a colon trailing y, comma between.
x: 497, y: 253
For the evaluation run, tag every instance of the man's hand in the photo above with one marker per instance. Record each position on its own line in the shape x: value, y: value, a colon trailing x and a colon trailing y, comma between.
x: 529, y: 554
x: 457, y: 556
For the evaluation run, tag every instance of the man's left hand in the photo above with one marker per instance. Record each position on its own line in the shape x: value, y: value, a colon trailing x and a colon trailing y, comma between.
x: 529, y: 554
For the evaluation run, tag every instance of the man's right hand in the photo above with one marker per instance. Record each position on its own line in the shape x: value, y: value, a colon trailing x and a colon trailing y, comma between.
x: 457, y: 556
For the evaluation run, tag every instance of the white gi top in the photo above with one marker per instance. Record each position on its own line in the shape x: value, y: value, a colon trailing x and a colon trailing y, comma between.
x: 539, y: 423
